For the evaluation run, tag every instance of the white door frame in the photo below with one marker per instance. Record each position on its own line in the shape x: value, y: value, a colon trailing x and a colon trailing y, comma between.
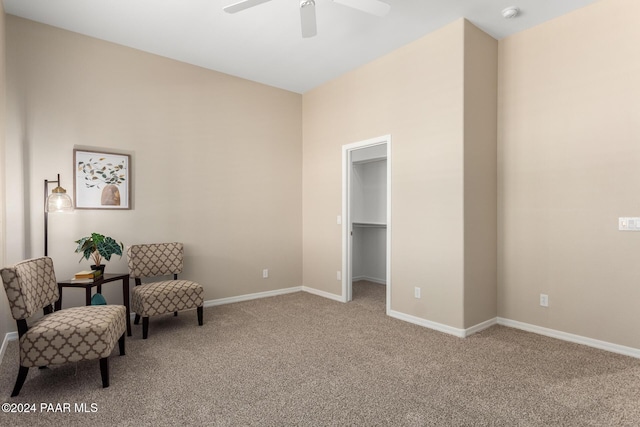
x: 346, y: 214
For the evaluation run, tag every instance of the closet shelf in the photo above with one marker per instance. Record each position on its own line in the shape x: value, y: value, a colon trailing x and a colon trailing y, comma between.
x: 370, y: 224
x: 369, y: 160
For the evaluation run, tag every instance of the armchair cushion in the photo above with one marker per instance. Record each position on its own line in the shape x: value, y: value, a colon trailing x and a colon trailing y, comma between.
x: 73, y: 334
x: 167, y: 296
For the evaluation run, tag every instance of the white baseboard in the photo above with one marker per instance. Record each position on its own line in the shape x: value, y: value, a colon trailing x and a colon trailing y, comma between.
x: 460, y: 333
x: 369, y: 279
x: 481, y: 326
x: 10, y: 336
x: 323, y: 294
x: 565, y: 336
x: 239, y: 298
x: 247, y: 297
x: 427, y: 323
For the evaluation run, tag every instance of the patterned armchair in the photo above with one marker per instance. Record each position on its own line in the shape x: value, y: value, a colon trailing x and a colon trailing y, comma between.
x: 161, y: 297
x: 69, y: 335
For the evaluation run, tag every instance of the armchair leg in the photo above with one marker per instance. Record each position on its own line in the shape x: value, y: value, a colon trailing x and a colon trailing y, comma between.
x: 121, y: 345
x: 145, y: 327
x: 175, y: 314
x: 22, y: 375
x: 136, y: 321
x: 104, y: 371
x: 200, y: 312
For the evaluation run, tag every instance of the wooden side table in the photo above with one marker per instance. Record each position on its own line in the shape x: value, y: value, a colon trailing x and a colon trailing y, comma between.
x: 106, y: 278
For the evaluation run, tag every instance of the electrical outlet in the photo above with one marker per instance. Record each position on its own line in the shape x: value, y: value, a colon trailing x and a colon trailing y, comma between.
x: 265, y: 273
x: 338, y: 275
x: 629, y: 223
x: 416, y: 292
x: 544, y: 300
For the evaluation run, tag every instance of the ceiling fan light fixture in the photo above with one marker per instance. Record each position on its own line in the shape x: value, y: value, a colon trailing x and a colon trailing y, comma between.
x: 510, y: 12
x: 308, y: 18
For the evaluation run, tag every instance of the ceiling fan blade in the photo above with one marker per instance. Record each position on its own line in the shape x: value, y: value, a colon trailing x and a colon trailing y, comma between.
x: 242, y: 5
x: 308, y: 18
x: 374, y: 7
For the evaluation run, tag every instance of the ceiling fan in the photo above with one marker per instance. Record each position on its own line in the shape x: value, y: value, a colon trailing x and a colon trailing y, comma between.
x: 308, y: 10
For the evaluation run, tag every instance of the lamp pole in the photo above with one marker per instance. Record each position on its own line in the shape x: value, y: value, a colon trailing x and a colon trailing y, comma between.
x: 57, y: 201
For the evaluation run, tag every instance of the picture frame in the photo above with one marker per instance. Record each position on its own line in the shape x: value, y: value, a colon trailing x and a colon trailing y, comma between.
x: 101, y: 180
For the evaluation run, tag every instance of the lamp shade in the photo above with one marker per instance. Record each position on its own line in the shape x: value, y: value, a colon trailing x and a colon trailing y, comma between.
x: 58, y: 201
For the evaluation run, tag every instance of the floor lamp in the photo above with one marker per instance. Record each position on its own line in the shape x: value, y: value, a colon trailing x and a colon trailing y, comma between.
x: 57, y: 201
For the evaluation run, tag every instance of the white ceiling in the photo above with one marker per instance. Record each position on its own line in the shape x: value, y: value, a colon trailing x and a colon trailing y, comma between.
x: 264, y: 43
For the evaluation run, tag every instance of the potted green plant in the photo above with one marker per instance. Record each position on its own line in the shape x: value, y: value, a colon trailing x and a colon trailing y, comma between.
x: 96, y: 247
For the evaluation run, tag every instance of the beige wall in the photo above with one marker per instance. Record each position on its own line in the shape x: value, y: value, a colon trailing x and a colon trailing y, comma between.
x: 567, y: 125
x: 417, y: 95
x: 569, y: 156
x: 5, y: 317
x: 480, y: 176
x: 216, y: 159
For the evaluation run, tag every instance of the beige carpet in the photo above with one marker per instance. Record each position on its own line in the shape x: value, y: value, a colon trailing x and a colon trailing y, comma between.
x: 300, y: 359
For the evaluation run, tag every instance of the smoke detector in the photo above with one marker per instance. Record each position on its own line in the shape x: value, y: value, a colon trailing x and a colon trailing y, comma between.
x: 510, y: 12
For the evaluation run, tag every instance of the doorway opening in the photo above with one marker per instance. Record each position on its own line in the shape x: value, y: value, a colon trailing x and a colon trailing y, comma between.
x: 366, y: 214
